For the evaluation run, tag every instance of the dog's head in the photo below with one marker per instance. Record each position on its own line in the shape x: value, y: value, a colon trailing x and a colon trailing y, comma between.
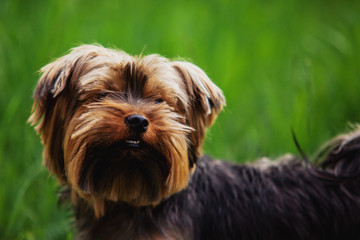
x: 123, y: 128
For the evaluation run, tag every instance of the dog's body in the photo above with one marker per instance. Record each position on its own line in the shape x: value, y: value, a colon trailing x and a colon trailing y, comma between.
x: 124, y: 134
x: 227, y: 201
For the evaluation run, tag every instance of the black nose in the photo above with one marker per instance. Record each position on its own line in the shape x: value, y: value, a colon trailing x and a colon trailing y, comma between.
x: 137, y: 123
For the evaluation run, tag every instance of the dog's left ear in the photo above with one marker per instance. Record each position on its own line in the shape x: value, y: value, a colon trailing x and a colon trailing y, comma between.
x: 206, y: 101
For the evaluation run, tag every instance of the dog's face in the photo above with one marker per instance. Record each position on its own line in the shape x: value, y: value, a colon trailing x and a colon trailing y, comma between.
x: 123, y: 128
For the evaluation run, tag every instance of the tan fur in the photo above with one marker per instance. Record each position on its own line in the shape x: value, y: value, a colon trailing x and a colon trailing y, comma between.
x: 81, y: 103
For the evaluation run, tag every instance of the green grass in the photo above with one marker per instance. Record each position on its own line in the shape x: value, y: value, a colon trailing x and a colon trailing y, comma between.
x: 281, y: 64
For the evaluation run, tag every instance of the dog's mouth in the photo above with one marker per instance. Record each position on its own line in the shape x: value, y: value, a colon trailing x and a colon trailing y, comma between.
x: 133, y: 143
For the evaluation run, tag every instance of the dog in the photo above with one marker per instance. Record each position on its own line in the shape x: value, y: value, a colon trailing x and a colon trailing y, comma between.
x: 123, y: 134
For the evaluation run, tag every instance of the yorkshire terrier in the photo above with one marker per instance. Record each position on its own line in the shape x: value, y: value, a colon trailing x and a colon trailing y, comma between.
x: 124, y: 135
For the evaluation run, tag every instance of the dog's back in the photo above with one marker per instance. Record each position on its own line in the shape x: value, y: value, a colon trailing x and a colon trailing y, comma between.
x: 286, y: 200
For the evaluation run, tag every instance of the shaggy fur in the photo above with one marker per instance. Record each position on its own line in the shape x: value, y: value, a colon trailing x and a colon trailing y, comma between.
x: 124, y: 135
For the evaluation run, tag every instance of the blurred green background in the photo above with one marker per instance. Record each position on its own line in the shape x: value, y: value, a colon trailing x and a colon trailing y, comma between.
x: 282, y: 64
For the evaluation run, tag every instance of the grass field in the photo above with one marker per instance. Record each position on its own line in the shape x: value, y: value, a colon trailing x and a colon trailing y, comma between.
x: 290, y: 64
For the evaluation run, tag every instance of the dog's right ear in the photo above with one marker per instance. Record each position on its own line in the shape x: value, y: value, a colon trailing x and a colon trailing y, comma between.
x: 55, y: 100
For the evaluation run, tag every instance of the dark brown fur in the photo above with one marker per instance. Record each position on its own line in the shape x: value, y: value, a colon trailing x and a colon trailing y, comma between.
x: 152, y: 182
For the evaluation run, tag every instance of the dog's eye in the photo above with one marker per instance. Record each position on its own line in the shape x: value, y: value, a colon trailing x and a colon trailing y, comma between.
x: 101, y: 95
x: 159, y: 100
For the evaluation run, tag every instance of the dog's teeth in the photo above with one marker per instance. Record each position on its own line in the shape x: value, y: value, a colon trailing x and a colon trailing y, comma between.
x: 133, y: 142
